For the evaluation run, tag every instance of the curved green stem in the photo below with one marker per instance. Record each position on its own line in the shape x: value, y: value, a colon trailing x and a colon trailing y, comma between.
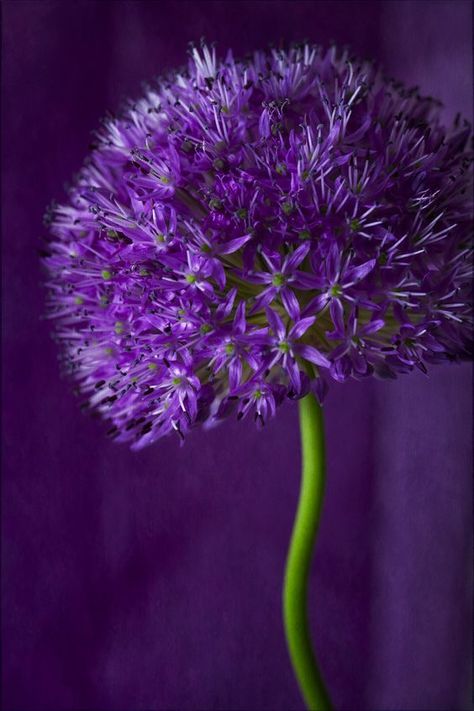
x: 300, y: 555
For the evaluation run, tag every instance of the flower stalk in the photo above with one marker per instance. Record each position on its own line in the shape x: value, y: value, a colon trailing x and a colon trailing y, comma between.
x: 300, y: 554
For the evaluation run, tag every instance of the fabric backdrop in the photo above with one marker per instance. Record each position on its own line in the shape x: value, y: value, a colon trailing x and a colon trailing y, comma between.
x: 152, y: 580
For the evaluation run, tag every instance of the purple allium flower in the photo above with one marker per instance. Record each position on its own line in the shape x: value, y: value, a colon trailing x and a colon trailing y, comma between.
x: 250, y: 230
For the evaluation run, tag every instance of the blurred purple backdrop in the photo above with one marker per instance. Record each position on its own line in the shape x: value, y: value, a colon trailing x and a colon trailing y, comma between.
x: 152, y: 580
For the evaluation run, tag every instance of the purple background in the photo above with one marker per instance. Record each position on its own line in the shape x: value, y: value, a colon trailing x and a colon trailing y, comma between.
x: 152, y: 580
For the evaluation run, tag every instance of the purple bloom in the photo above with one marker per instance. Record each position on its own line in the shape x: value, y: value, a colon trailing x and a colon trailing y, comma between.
x: 235, y: 347
x: 286, y: 346
x: 280, y: 274
x: 250, y: 230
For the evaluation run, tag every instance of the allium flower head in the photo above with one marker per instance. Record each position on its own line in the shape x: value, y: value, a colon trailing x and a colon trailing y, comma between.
x: 250, y: 230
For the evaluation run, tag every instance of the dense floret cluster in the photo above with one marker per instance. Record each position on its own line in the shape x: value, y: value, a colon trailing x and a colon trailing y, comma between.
x: 250, y: 230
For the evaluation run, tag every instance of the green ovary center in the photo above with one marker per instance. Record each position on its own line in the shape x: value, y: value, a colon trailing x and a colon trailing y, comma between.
x: 278, y: 280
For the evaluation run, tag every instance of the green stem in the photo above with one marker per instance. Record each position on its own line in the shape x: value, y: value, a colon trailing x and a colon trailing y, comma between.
x: 300, y: 555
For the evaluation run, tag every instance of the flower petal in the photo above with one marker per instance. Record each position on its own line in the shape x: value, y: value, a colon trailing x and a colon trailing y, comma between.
x: 233, y: 245
x: 305, y: 280
x: 373, y: 326
x: 337, y: 314
x: 296, y: 258
x: 294, y: 374
x: 218, y: 273
x: 264, y: 298
x: 290, y: 302
x: 313, y: 355
x: 235, y: 373
x: 240, y: 323
x: 301, y: 327
x: 315, y: 305
x: 355, y: 274
x: 276, y: 324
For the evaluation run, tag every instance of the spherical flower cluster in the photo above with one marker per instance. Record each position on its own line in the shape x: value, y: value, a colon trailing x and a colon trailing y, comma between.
x: 250, y: 230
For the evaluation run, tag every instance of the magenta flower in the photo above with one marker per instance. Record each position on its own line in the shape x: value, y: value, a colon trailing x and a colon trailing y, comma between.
x: 250, y: 230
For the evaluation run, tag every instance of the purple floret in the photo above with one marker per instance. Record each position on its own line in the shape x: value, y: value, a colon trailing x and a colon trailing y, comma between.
x: 250, y: 230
